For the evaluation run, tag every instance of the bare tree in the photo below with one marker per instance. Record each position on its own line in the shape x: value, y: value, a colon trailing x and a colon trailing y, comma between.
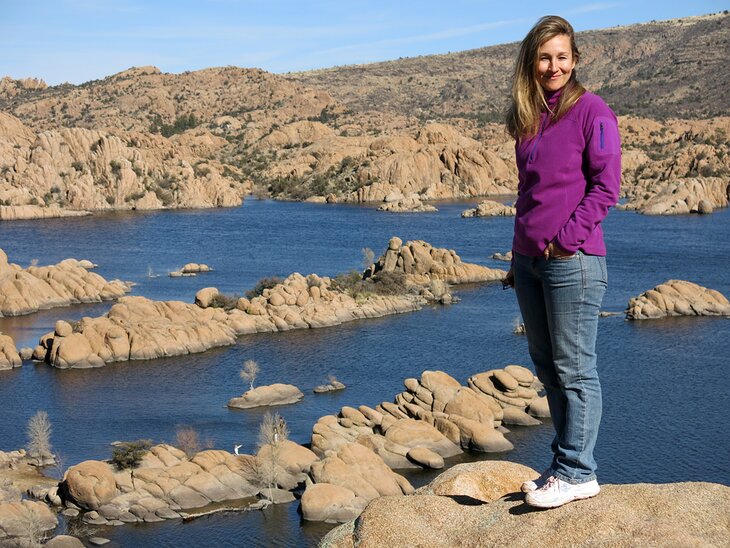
x: 368, y: 257
x: 188, y: 440
x: 273, y: 432
x: 39, y: 437
x: 249, y: 372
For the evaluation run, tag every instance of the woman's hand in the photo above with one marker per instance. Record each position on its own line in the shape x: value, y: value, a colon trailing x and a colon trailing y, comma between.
x: 554, y: 251
x: 509, y: 280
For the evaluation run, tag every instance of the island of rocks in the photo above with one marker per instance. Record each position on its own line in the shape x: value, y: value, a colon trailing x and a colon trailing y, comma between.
x: 139, y: 328
x: 677, y: 298
x: 27, y: 290
x: 490, y: 208
x: 264, y: 396
x: 433, y: 419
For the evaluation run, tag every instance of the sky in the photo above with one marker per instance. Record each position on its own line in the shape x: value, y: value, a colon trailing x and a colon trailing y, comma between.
x: 80, y: 40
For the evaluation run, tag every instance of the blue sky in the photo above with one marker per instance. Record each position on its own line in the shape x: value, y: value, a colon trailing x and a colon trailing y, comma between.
x: 80, y: 40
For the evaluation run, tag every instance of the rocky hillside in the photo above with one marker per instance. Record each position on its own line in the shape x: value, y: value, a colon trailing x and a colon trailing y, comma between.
x: 402, y: 131
x: 663, y: 69
x: 145, y: 99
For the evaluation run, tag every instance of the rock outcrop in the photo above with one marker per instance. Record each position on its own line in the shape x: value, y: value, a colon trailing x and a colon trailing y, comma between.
x: 263, y: 396
x: 436, y: 161
x: 9, y: 356
x: 405, y: 204
x: 490, y: 208
x: 345, y: 481
x: 23, y: 291
x: 85, y: 170
x: 167, y: 483
x: 332, y: 385
x: 422, y: 262
x: 139, y: 328
x: 436, y: 418
x: 677, y: 298
x: 682, y: 196
x: 621, y: 515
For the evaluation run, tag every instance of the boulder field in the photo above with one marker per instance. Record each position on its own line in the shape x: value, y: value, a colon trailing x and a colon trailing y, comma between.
x: 677, y: 298
x: 139, y: 328
x: 27, y: 290
x: 436, y: 418
x: 433, y: 419
x: 480, y: 504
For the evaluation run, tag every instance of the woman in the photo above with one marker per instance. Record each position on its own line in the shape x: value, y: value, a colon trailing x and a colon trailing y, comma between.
x: 569, y: 163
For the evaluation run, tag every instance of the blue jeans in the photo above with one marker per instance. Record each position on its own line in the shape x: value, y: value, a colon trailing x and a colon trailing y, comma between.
x: 560, y: 299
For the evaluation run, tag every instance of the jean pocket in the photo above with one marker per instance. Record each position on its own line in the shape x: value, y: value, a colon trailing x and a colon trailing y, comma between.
x: 564, y: 257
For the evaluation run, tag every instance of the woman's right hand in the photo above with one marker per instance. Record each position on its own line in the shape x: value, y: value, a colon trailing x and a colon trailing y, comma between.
x: 509, y: 280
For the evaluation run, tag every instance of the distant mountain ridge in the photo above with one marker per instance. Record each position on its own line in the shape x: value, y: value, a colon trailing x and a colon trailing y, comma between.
x: 662, y: 69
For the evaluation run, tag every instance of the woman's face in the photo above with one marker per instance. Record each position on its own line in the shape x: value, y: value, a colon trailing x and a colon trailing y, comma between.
x: 555, y: 62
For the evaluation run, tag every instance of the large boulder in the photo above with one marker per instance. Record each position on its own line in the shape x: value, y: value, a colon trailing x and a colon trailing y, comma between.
x: 622, y: 515
x: 90, y: 484
x: 677, y: 298
x: 354, y: 475
x: 9, y: 356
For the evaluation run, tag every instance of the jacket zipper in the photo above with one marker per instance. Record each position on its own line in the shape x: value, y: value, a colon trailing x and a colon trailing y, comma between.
x: 602, y: 141
x: 537, y: 140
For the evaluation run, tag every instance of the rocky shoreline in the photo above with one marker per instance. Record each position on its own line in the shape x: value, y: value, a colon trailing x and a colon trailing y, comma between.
x: 139, y: 328
x: 27, y: 290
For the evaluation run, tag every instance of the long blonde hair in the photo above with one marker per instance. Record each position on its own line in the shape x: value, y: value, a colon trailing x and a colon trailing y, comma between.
x: 528, y: 99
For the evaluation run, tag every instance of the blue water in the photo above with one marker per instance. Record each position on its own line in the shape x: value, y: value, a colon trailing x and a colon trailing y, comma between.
x: 665, y: 393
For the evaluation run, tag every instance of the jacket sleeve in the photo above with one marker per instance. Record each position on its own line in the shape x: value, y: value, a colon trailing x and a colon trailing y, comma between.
x: 602, y: 167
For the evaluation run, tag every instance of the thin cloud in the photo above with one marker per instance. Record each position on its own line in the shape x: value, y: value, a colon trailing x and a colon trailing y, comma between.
x: 430, y: 37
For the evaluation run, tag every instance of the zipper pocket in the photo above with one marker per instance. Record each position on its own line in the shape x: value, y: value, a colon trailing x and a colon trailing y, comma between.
x: 602, y: 141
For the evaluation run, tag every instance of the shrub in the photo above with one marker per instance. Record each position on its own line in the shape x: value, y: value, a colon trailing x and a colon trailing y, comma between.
x: 129, y: 454
x: 263, y: 283
x: 390, y: 283
x: 226, y: 302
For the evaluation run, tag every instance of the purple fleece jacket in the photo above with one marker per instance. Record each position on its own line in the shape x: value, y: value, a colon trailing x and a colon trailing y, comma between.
x: 569, y: 175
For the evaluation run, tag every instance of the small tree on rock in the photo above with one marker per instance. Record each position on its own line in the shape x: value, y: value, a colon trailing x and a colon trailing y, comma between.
x: 273, y: 432
x: 249, y: 372
x: 39, y: 437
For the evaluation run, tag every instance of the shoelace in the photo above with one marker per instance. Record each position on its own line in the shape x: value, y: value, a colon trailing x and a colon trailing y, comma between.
x: 552, y: 480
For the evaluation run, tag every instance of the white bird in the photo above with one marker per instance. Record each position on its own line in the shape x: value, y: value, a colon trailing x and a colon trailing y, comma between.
x: 236, y: 448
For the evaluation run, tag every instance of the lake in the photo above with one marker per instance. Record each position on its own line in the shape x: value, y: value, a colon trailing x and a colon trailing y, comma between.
x: 665, y: 388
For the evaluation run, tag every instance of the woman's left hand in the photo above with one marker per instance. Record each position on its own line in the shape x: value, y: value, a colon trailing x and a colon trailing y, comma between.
x: 553, y: 250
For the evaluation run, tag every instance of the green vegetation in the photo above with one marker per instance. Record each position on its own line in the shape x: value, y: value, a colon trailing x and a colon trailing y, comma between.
x: 129, y: 454
x: 383, y: 283
x: 263, y: 283
x: 181, y: 123
x: 226, y: 302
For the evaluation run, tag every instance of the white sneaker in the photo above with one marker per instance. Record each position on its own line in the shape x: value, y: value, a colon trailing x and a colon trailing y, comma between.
x: 557, y: 492
x: 531, y: 485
